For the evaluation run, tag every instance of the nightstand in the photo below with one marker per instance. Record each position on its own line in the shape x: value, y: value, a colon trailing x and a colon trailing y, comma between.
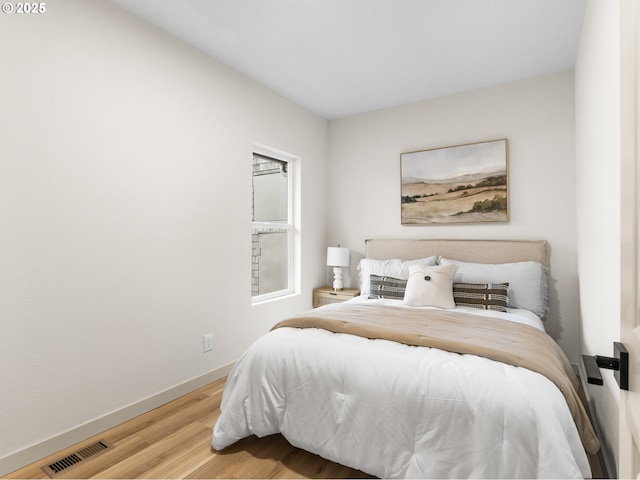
x: 325, y: 295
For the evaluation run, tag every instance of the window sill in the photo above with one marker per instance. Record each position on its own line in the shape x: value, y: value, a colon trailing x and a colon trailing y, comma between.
x: 284, y: 296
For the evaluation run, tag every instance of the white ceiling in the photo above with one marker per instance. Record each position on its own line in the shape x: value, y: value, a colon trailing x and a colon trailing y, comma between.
x: 343, y: 57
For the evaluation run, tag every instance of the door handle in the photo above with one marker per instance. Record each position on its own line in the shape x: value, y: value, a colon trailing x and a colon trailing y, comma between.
x: 619, y: 363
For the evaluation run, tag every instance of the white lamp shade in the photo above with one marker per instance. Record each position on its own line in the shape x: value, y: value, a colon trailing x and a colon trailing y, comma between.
x: 337, y: 257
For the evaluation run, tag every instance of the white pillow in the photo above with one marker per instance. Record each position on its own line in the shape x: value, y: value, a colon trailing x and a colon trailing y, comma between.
x: 395, y: 268
x: 527, y: 281
x: 430, y: 286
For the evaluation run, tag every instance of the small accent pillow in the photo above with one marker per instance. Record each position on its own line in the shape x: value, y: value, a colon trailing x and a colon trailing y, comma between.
x: 394, y: 267
x: 430, y: 286
x: 488, y: 296
x: 386, y: 287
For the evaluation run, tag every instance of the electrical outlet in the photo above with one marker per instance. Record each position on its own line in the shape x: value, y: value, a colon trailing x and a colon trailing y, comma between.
x: 208, y: 342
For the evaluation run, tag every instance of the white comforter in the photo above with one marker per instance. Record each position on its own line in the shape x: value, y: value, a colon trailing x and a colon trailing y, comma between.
x: 398, y: 411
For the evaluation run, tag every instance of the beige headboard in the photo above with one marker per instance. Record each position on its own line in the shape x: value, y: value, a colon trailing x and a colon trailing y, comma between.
x: 479, y: 251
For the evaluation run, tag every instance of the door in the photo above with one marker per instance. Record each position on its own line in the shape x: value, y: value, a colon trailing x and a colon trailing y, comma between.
x: 629, y: 446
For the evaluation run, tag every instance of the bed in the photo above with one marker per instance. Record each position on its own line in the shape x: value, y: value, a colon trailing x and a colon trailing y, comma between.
x: 420, y: 377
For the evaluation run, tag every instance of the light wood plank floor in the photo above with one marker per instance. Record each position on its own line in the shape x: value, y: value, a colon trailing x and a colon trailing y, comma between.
x: 174, y: 441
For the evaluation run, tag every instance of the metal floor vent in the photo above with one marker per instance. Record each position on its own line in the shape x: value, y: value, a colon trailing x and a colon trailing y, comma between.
x: 76, y: 458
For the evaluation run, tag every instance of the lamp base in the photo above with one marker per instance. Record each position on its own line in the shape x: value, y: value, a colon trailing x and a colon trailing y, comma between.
x: 337, y: 278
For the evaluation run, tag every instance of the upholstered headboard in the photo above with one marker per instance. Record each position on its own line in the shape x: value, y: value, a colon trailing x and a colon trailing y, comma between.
x: 478, y: 251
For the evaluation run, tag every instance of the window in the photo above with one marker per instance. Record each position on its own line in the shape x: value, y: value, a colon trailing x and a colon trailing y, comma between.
x: 272, y: 229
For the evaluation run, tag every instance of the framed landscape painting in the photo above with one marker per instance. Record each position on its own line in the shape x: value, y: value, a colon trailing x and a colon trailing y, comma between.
x: 461, y: 184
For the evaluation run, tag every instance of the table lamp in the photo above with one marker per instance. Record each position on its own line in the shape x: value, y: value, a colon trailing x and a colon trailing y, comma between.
x: 337, y: 258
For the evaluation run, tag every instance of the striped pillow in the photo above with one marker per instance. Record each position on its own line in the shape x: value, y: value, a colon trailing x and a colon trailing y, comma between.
x: 488, y: 296
x: 386, y: 287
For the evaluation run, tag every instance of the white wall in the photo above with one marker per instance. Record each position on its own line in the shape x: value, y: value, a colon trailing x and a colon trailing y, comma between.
x: 125, y: 215
x: 597, y: 79
x: 536, y: 116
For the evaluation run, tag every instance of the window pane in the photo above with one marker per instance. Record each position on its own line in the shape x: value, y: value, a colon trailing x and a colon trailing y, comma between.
x: 270, y: 194
x: 270, y: 262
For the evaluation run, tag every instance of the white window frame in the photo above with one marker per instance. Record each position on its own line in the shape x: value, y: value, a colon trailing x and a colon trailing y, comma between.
x: 289, y: 227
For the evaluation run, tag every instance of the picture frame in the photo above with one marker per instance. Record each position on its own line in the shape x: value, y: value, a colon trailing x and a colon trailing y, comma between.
x: 459, y: 184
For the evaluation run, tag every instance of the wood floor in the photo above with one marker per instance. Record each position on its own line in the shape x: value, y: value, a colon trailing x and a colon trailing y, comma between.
x: 174, y: 441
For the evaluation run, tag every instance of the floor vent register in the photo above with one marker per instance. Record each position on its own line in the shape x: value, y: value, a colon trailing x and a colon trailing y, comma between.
x: 76, y: 458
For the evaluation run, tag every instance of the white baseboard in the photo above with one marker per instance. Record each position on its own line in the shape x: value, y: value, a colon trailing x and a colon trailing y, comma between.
x: 21, y: 458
